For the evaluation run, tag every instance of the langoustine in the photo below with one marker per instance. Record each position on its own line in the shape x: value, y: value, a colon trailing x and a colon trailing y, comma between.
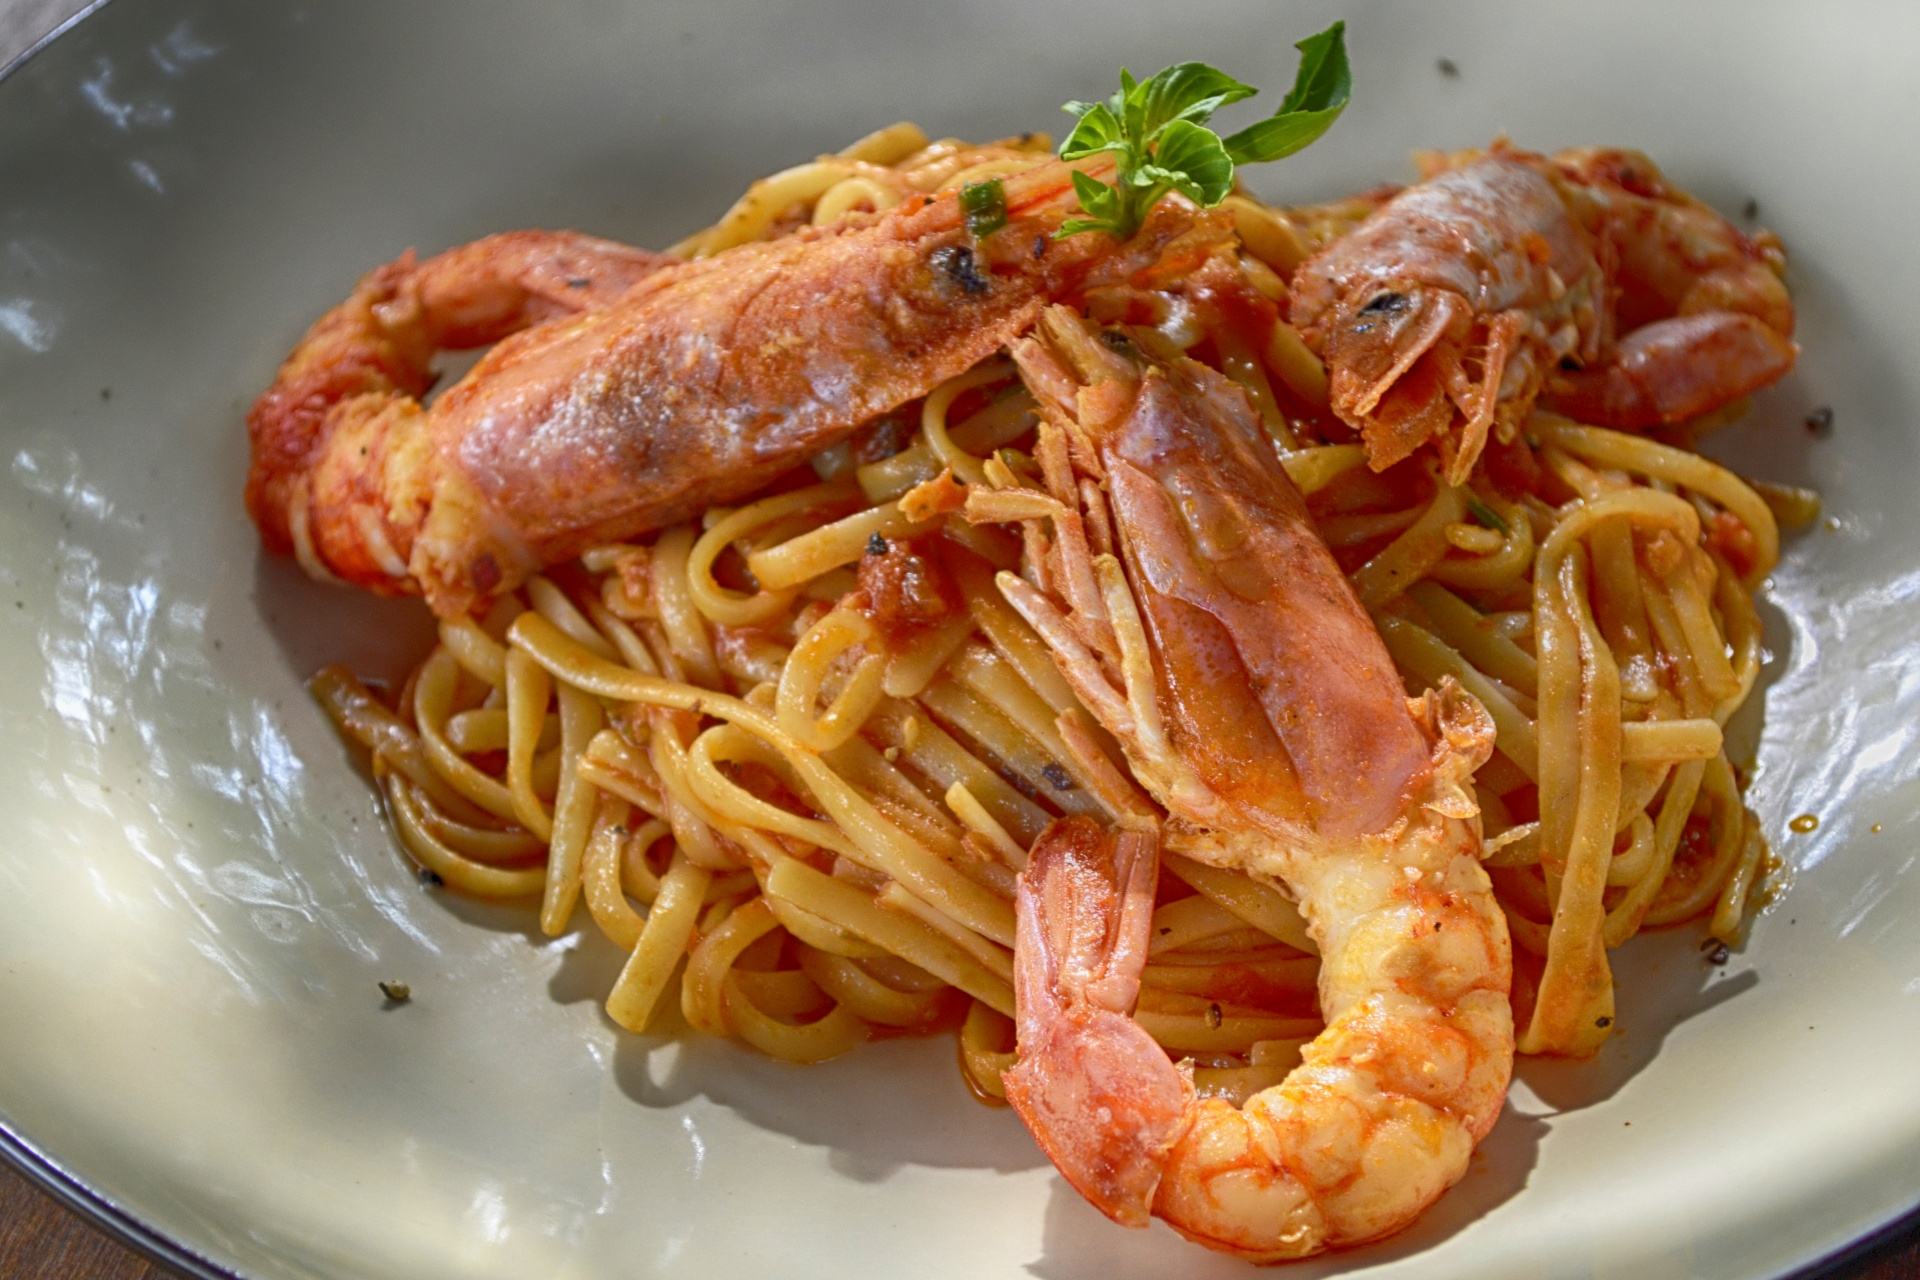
x: 1507, y: 277
x: 1212, y: 634
x: 673, y: 386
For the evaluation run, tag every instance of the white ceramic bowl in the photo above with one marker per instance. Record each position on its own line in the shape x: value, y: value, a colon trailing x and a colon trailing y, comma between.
x: 197, y: 895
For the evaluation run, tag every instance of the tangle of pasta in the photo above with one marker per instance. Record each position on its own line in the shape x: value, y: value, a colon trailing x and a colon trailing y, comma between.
x: 803, y: 745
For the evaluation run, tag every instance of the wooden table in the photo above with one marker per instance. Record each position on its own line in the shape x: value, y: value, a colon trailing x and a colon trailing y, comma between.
x: 40, y: 1240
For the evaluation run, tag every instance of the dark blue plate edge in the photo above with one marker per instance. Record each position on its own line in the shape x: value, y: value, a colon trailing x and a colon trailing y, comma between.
x: 96, y: 1210
x: 1886, y: 1234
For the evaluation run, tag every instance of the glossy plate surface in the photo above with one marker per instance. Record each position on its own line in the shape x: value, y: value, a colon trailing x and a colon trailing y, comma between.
x: 197, y: 896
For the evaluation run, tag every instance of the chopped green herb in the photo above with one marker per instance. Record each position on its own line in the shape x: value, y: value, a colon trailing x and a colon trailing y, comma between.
x: 1156, y: 130
x: 1487, y: 516
x: 985, y: 204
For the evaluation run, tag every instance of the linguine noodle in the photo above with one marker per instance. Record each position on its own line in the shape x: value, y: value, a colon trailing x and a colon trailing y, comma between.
x: 790, y: 756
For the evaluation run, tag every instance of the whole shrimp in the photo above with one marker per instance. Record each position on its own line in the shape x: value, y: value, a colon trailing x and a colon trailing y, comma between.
x: 1505, y: 275
x: 670, y: 387
x: 1215, y: 637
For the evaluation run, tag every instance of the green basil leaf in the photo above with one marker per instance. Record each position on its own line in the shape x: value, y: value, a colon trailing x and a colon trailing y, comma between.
x: 1156, y: 130
x: 1324, y: 81
x: 1096, y: 197
x: 1074, y: 226
x: 1277, y: 137
x: 1193, y: 161
x: 1097, y: 131
x: 1321, y: 89
x: 1190, y: 91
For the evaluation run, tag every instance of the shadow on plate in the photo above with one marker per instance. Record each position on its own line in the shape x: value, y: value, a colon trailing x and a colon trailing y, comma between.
x: 316, y: 624
x: 886, y: 1105
x: 1662, y: 981
x: 1080, y: 1244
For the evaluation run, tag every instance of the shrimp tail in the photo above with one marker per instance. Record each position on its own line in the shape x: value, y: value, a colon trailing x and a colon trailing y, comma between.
x: 1103, y: 1099
x: 1675, y: 369
x: 343, y: 473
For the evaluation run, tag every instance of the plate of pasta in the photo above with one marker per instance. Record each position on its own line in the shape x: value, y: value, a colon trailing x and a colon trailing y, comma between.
x: 1311, y: 676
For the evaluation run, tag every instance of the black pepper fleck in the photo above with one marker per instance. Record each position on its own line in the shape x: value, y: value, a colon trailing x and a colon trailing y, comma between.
x: 1719, y: 954
x: 578, y: 282
x: 1447, y: 68
x: 428, y: 878
x: 1820, y: 421
x: 876, y: 545
x: 958, y: 265
x: 1751, y: 209
x: 1603, y: 1022
x: 1053, y: 772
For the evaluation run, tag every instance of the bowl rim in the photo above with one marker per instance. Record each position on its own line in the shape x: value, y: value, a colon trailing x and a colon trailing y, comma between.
x: 100, y: 1211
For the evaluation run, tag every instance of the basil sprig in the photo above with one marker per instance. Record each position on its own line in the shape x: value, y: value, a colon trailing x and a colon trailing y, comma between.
x: 1157, y: 131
